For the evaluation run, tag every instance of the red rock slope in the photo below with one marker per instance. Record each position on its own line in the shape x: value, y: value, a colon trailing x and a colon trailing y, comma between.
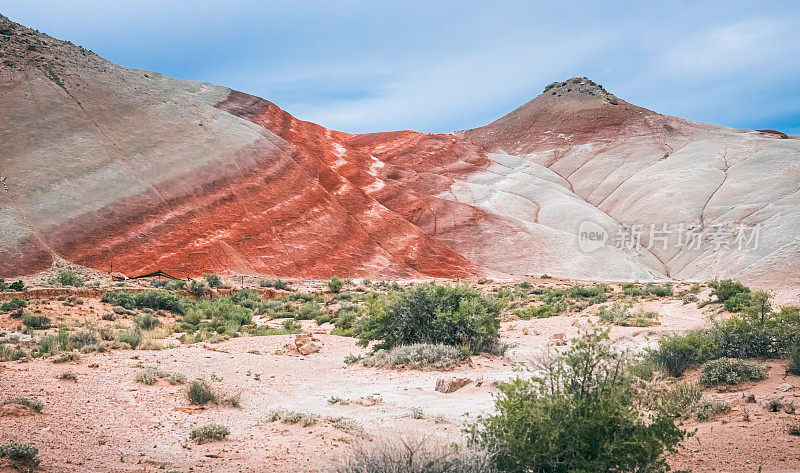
x: 111, y: 167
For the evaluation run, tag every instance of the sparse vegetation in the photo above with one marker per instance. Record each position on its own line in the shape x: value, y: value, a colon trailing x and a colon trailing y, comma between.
x: 726, y: 288
x: 708, y: 408
x: 451, y: 315
x: 13, y: 304
x: 35, y: 404
x: 681, y: 400
x: 209, y: 433
x: 731, y: 371
x: 292, y: 417
x: 131, y: 337
x: 621, y: 314
x: 25, y: 453
x: 275, y: 283
x: 418, y: 356
x: 335, y: 284
x: 580, y: 415
x: 414, y: 454
x: 66, y: 277
x: 200, y: 393
x: 36, y: 322
x: 213, y: 280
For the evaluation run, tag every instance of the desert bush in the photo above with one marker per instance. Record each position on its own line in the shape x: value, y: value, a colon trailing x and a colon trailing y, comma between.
x: 16, y: 286
x: 249, y: 298
x: 131, y: 337
x: 773, y: 403
x: 794, y: 357
x: 292, y: 417
x: 335, y: 284
x: 345, y: 323
x: 323, y: 319
x: 66, y: 277
x: 414, y: 454
x: 418, y: 356
x: 681, y: 400
x: 737, y: 302
x: 452, y: 315
x: 679, y: 352
x: 220, y: 315
x: 731, y: 371
x: 20, y: 452
x: 200, y: 393
x: 54, y: 343
x: 80, y: 339
x: 148, y: 376
x: 621, y: 314
x: 649, y: 289
x: 13, y: 304
x: 309, y: 310
x: 197, y: 288
x: 10, y: 352
x: 726, y: 288
x: 36, y: 322
x: 794, y: 428
x: 758, y: 332
x: 213, y: 280
x: 67, y: 357
x: 536, y: 312
x: 274, y: 283
x: 146, y: 321
x: 209, y: 433
x: 581, y: 414
x: 156, y: 300
x: 35, y: 404
x: 707, y: 408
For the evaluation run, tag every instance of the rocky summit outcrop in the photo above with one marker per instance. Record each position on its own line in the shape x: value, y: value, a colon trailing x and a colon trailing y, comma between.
x: 123, y: 169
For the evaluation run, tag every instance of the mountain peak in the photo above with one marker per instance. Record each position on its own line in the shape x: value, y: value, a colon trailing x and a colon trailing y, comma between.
x: 580, y: 87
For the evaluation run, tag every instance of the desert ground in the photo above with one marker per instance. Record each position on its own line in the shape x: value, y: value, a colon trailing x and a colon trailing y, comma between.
x: 96, y: 417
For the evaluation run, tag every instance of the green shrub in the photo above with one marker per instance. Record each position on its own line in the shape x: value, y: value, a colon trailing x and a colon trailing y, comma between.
x: 274, y: 283
x: 209, y: 433
x: 17, y: 286
x: 681, y: 400
x: 220, y: 315
x: 707, y: 408
x: 794, y: 357
x: 580, y: 415
x: 197, y: 288
x: 119, y: 298
x: 36, y: 322
x: 309, y: 310
x: 13, y: 304
x: 3, y: 285
x: 757, y: 334
x: 20, y: 452
x: 345, y: 323
x: 146, y: 321
x: 419, y: 356
x: 620, y: 314
x: 131, y: 337
x: 737, y: 302
x: 159, y: 300
x: 148, y: 376
x: 335, y: 284
x: 450, y: 315
x: 292, y: 417
x: 536, y: 312
x: 35, y: 404
x: 414, y: 454
x: 66, y: 277
x: 677, y: 353
x: 200, y: 393
x: 213, y: 280
x: 726, y: 288
x: 731, y: 371
x: 649, y: 289
x: 10, y: 352
x: 55, y: 343
x: 322, y: 319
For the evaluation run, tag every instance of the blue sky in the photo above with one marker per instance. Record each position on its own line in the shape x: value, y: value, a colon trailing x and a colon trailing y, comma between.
x: 437, y: 66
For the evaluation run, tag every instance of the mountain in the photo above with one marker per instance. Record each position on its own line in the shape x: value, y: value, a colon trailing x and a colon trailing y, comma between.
x: 123, y: 169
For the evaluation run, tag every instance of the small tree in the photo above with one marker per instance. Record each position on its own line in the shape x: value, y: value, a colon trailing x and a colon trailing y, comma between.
x: 582, y: 414
x: 335, y: 284
x: 760, y: 305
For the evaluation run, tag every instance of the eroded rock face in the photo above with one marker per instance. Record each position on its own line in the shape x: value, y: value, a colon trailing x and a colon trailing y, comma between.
x: 132, y: 171
x: 450, y: 385
x: 307, y: 344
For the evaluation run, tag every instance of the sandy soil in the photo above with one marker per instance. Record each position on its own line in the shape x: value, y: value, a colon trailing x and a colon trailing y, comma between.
x: 107, y: 422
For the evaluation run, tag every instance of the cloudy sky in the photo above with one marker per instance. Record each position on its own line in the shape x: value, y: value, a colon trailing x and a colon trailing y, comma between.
x: 438, y: 66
